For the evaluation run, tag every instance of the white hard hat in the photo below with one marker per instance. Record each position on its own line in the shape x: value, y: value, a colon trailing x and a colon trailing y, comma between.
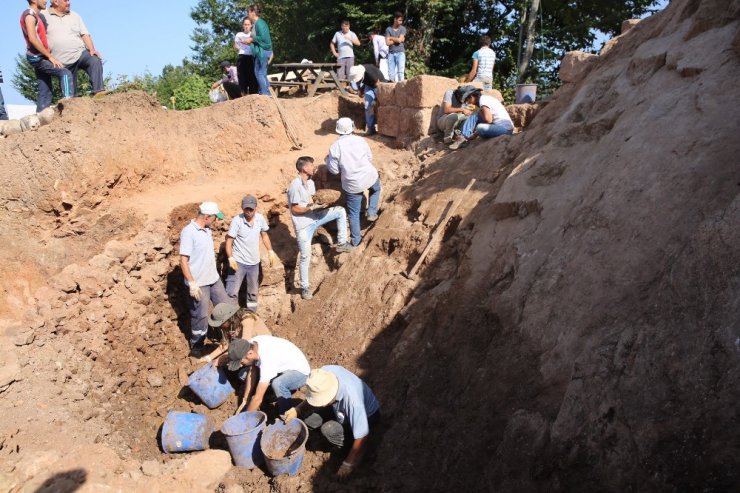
x: 345, y: 126
x: 356, y: 73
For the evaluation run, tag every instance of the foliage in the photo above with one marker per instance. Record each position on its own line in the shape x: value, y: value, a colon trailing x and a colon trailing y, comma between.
x: 191, y: 93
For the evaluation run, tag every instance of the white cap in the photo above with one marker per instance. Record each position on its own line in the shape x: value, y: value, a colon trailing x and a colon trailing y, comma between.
x: 210, y: 209
x: 356, y: 73
x: 345, y: 126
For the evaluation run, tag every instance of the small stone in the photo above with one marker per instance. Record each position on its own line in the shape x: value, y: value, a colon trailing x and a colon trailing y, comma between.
x: 25, y: 339
x: 151, y: 468
x: 155, y: 379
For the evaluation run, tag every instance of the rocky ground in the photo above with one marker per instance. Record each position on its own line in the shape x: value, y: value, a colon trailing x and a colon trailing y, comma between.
x: 574, y: 327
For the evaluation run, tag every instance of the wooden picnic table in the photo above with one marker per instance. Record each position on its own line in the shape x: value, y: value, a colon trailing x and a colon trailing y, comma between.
x: 309, y: 77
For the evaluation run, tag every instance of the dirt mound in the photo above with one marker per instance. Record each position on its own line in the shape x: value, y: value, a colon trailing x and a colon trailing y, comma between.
x: 574, y: 327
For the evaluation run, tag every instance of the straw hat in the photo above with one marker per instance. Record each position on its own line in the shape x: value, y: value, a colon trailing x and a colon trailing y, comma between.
x: 321, y: 388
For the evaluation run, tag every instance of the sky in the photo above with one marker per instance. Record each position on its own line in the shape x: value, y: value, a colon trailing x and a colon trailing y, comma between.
x: 134, y: 36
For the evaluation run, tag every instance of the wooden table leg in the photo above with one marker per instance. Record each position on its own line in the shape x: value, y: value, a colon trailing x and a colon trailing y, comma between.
x: 313, y: 87
x: 335, y: 78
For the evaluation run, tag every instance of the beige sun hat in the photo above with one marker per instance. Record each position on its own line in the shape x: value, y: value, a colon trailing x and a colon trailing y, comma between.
x: 321, y: 388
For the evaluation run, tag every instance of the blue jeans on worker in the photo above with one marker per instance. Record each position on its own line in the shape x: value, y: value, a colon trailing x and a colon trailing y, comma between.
x: 234, y: 279
x: 397, y: 66
x: 45, y: 70
x: 471, y: 126
x: 370, y: 98
x: 354, y: 204
x: 260, y: 71
x: 93, y: 65
x: 3, y: 113
x: 305, y: 235
x: 284, y: 385
x: 199, y: 310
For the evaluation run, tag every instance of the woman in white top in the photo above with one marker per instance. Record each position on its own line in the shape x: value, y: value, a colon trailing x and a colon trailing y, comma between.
x: 245, y: 60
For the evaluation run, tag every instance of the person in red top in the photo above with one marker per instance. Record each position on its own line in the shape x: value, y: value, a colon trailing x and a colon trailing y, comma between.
x: 46, y: 66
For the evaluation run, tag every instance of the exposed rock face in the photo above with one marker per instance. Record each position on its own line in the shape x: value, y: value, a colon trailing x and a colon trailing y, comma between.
x: 576, y: 65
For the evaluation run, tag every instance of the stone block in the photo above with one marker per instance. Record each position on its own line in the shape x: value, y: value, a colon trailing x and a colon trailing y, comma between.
x: 399, y: 92
x: 522, y: 114
x: 10, y: 127
x: 424, y: 91
x: 30, y: 122
x: 576, y: 65
x: 386, y: 93
x: 629, y: 24
x: 415, y: 123
x: 389, y: 120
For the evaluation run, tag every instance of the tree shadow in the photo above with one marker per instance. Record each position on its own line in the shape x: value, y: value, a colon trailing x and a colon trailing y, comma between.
x: 64, y: 482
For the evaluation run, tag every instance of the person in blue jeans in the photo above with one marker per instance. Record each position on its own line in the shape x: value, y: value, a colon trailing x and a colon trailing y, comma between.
x: 308, y: 217
x: 395, y: 37
x: 351, y: 157
x: 282, y: 366
x: 365, y: 78
x: 261, y: 48
x: 3, y: 113
x: 491, y: 119
x: 45, y: 65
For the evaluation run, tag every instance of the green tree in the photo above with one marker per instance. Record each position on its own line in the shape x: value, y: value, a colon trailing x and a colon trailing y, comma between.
x: 192, y: 93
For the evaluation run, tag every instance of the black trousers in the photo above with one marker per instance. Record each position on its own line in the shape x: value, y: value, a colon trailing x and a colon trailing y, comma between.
x: 247, y: 78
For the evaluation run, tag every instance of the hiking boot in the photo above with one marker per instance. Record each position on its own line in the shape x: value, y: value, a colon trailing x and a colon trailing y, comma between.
x: 344, y: 248
x: 370, y: 132
x: 197, y: 349
x: 306, y: 294
x: 372, y: 218
x: 459, y: 143
x: 447, y: 141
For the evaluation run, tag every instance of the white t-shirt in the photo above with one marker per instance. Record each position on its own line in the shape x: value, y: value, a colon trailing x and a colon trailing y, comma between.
x: 500, y: 115
x: 278, y: 355
x: 244, y: 49
x: 344, y: 45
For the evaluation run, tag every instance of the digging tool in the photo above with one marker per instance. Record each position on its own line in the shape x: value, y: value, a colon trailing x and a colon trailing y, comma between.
x: 412, y: 274
x: 286, y: 123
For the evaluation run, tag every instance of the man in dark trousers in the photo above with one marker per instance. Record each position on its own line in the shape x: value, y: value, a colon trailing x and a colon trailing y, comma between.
x: 366, y: 78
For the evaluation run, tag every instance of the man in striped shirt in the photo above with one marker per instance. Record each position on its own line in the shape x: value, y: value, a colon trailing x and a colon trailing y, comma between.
x: 483, y: 61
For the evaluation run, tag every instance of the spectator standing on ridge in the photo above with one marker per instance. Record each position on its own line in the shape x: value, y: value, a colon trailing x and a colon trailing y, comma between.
x: 351, y: 157
x: 70, y: 42
x: 198, y: 264
x: 380, y: 50
x: 341, y: 48
x: 491, y: 120
x: 451, y: 111
x: 366, y: 78
x: 230, y: 80
x: 308, y: 217
x: 281, y: 365
x: 44, y: 64
x: 245, y: 60
x: 343, y: 408
x: 483, y: 62
x: 243, y: 250
x: 261, y: 48
x: 395, y: 37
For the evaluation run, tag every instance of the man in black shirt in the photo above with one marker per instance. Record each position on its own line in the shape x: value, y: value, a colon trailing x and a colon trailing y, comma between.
x: 366, y: 77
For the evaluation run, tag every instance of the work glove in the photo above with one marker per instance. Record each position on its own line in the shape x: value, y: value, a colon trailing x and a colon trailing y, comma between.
x: 289, y: 415
x: 274, y: 259
x: 195, y: 291
x: 345, y: 470
x: 233, y: 264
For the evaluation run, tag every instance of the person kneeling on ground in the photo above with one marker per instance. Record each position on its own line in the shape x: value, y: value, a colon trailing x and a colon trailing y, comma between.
x: 308, y: 217
x: 365, y: 78
x: 351, y: 156
x: 234, y: 323
x: 451, y: 111
x: 280, y: 363
x: 354, y: 411
x: 491, y: 120
x: 230, y: 81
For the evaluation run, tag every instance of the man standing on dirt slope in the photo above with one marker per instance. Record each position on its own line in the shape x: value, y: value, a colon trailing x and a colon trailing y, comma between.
x: 308, y: 217
x: 491, y: 120
x: 243, y: 250
x: 198, y: 264
x: 261, y: 48
x: 351, y: 156
x: 71, y: 43
x: 44, y: 64
x: 280, y: 363
x: 341, y: 48
x: 354, y: 411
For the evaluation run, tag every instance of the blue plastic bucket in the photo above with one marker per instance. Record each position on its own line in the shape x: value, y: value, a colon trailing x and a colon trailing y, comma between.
x: 211, y: 385
x: 243, y: 433
x: 185, y: 432
x: 284, y: 446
